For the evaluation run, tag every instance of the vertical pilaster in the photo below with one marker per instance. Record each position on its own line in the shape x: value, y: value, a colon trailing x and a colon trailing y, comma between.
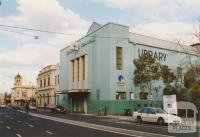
x: 86, y: 71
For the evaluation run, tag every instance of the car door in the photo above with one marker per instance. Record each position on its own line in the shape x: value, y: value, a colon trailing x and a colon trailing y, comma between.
x: 152, y: 115
x: 144, y: 114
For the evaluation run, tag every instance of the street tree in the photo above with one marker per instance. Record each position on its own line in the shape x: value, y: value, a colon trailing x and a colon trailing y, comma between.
x: 172, y: 86
x: 147, y: 72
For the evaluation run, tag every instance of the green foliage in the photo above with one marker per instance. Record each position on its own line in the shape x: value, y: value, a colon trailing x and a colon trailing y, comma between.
x: 147, y: 70
x: 192, y: 77
x: 182, y: 94
x: 195, y: 92
x: 167, y: 75
x: 169, y: 90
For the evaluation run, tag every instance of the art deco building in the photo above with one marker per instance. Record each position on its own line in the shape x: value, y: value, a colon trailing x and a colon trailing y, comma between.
x: 97, y: 71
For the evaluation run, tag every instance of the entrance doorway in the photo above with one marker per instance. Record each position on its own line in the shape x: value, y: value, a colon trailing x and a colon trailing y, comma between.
x: 79, y: 102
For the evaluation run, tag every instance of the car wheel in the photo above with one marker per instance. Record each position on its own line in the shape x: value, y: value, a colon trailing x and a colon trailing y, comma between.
x: 139, y: 119
x: 160, y: 121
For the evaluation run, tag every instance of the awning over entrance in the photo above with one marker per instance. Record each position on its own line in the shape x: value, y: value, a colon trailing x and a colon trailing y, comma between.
x: 78, y: 99
x: 68, y: 91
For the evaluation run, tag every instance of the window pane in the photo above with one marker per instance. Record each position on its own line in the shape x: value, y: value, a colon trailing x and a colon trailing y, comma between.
x: 119, y: 63
x: 120, y: 95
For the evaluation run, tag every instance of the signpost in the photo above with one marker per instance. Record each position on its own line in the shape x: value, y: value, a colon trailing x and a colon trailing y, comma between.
x: 132, y: 97
x: 170, y: 104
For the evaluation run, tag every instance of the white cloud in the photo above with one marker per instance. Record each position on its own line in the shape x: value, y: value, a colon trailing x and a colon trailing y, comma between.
x: 26, y: 60
x: 171, y: 31
x: 165, y: 19
x: 32, y: 56
x: 47, y: 15
x: 156, y: 9
x: 171, y: 4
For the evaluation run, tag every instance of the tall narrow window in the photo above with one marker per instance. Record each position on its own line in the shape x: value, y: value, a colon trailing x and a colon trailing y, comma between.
x: 47, y: 98
x: 17, y: 93
x: 40, y: 83
x: 55, y: 80
x: 179, y: 71
x: 78, y: 69
x: 83, y: 58
x: 98, y: 94
x: 119, y: 63
x: 58, y: 79
x: 40, y: 99
x: 44, y: 82
x: 48, y: 80
x: 72, y: 62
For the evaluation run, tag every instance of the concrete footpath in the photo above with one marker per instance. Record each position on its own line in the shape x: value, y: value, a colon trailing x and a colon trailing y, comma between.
x: 117, y: 117
x: 122, y: 118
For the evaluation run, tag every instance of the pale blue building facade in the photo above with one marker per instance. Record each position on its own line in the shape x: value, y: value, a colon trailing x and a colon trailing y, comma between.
x: 97, y: 71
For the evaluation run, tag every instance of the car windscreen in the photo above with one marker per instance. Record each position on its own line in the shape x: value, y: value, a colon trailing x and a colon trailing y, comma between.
x: 143, y: 110
x: 159, y: 110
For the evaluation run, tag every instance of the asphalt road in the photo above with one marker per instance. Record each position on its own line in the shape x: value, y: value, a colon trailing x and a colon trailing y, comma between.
x: 144, y: 127
x: 17, y: 124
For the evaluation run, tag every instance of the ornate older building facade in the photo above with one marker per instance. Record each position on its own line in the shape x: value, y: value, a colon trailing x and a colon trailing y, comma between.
x: 22, y: 93
x: 47, y: 86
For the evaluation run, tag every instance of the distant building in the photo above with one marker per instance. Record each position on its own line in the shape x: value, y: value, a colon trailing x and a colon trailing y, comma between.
x: 2, y: 98
x: 47, y: 86
x: 22, y: 93
x: 97, y: 71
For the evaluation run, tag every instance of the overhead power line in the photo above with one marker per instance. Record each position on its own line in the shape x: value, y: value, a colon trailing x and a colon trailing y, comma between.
x: 58, y: 33
x: 31, y: 29
x: 21, y: 33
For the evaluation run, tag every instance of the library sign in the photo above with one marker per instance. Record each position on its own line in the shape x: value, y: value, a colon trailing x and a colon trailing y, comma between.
x: 157, y: 55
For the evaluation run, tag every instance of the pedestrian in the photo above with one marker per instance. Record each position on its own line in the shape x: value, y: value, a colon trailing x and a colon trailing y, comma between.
x: 27, y: 107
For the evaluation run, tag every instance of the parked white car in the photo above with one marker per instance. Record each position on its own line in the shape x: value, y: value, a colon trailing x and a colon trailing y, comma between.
x: 156, y: 115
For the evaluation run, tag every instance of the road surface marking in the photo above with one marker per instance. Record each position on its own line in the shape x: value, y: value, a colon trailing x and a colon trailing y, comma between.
x: 21, y: 111
x: 11, y: 118
x: 6, y: 116
x: 19, y: 121
x: 31, y: 125
x: 8, y: 127
x: 49, y: 132
x: 121, y: 131
x: 33, y: 119
x: 18, y: 135
x: 1, y: 122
